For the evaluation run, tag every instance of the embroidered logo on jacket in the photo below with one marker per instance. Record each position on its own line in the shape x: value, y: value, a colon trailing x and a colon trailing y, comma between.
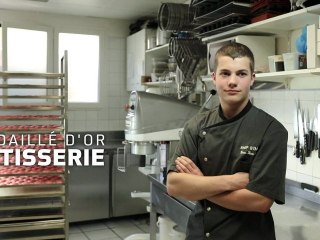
x: 248, y: 150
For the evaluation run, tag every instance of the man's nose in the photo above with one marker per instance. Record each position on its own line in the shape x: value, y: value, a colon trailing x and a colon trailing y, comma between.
x: 232, y: 80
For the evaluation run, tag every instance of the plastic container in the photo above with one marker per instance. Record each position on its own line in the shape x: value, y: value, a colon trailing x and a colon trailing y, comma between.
x: 177, y: 234
x: 276, y: 63
x: 165, y: 227
x: 291, y: 61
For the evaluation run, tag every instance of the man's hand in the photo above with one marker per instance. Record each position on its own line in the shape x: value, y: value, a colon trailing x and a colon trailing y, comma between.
x: 186, y: 165
x: 240, y: 180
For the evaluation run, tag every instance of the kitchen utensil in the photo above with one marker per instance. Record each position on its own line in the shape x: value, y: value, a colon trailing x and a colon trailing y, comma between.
x: 301, y: 136
x: 212, y: 93
x: 296, y: 130
x: 318, y: 129
x: 315, y: 128
x: 306, y: 126
x: 313, y: 134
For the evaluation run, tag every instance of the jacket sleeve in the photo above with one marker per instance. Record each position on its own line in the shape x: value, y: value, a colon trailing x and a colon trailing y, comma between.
x: 187, y: 145
x: 268, y: 170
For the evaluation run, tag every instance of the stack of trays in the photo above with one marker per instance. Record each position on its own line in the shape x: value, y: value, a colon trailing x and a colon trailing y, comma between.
x: 264, y: 9
x: 212, y: 16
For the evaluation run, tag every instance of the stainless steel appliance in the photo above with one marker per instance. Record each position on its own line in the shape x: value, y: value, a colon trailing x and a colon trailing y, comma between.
x: 153, y: 119
x: 100, y: 192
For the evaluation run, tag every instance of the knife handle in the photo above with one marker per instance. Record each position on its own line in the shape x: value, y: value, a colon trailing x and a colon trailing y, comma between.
x: 311, y: 141
x: 307, y: 145
x: 302, y: 156
x: 319, y: 148
x: 297, y: 149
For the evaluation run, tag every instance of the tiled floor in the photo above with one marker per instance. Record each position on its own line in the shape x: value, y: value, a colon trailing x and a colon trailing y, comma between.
x: 109, y: 229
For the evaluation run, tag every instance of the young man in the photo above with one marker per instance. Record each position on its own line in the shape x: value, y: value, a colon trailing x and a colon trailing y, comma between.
x: 232, y: 159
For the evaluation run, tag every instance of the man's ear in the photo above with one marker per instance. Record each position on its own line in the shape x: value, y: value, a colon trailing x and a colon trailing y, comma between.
x: 253, y: 79
x: 213, y: 76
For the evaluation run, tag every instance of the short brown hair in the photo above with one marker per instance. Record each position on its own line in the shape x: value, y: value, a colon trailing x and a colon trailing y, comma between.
x: 234, y: 50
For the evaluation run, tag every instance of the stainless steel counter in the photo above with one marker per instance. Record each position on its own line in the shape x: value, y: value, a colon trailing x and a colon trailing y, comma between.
x: 298, y: 219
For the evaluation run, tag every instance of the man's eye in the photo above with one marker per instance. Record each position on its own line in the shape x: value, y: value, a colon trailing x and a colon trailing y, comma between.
x: 242, y: 74
x: 224, y: 74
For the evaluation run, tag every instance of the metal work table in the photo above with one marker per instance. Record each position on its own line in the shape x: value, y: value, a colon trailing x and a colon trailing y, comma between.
x: 298, y: 219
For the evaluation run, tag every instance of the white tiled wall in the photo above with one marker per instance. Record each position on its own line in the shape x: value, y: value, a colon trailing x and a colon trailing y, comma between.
x: 111, y: 114
x: 280, y: 104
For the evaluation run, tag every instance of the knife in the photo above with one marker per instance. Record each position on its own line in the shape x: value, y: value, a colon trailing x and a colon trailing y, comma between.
x: 307, y: 133
x: 296, y: 130
x: 315, y: 133
x: 301, y: 137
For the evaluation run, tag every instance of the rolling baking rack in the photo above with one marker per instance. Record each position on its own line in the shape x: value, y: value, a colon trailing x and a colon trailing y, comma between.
x: 33, y: 199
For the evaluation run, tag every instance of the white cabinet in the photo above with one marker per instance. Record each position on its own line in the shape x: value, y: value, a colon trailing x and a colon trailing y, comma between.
x: 139, y: 59
x: 136, y: 47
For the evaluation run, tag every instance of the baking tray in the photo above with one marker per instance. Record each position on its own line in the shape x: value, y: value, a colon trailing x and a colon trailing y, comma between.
x: 222, y: 29
x: 28, y: 128
x: 32, y: 107
x: 31, y: 131
x: 31, y: 86
x: 231, y: 7
x: 11, y: 74
x: 34, y: 225
x: 32, y: 191
x: 33, y: 180
x: 31, y: 97
x: 13, y: 170
x: 223, y: 18
x: 31, y: 203
x: 31, y: 214
x: 208, y: 2
x: 199, y: 2
x: 34, y: 235
x: 31, y: 117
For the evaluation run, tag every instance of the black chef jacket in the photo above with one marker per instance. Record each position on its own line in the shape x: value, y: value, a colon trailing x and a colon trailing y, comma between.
x: 253, y: 142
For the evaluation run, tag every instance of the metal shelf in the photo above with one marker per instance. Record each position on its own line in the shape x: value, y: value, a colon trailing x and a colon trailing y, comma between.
x: 31, y: 86
x: 162, y: 50
x: 278, y: 25
x: 31, y: 97
x: 31, y: 117
x: 295, y: 79
x: 32, y: 107
x: 32, y: 191
x: 25, y: 226
x: 35, y: 235
x: 33, y: 75
x: 11, y: 170
x: 33, y: 203
x: 157, y: 84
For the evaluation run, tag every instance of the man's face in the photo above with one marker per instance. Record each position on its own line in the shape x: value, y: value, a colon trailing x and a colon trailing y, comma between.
x: 233, y: 79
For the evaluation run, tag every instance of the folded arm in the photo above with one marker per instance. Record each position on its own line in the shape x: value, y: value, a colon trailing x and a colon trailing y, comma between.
x: 226, y: 190
x: 190, y: 183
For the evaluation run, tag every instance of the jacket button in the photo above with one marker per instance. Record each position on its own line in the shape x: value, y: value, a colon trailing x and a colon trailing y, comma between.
x: 204, y: 133
x: 208, y: 209
x: 207, y: 234
x: 205, y: 159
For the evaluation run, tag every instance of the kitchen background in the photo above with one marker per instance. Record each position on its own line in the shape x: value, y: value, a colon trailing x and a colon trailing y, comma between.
x: 110, y: 114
